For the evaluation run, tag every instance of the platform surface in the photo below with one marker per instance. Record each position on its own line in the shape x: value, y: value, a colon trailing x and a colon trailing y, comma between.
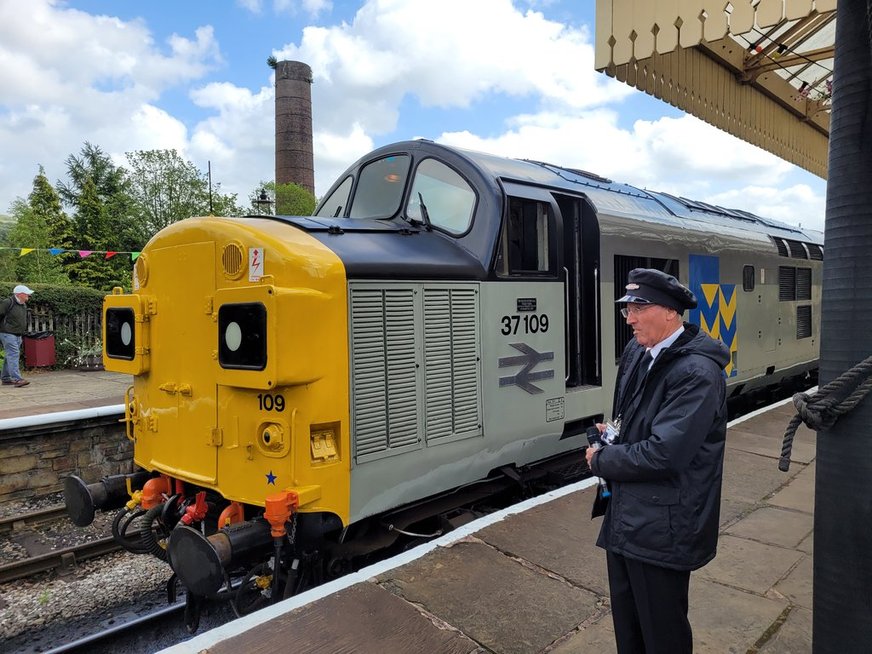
x: 51, y: 391
x: 534, y: 582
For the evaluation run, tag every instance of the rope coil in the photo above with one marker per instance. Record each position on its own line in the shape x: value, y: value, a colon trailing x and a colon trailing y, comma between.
x: 823, y: 408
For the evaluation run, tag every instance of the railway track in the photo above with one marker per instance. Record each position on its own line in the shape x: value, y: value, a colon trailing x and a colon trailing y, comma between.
x: 62, y: 559
x: 33, y: 518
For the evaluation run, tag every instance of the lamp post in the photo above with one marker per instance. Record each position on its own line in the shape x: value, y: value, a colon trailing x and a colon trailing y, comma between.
x: 263, y: 204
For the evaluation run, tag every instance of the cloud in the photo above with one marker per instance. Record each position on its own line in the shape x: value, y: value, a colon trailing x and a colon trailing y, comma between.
x: 69, y: 76
x: 797, y: 205
x: 254, y: 6
x: 522, y: 85
x: 393, y: 49
x: 311, y: 7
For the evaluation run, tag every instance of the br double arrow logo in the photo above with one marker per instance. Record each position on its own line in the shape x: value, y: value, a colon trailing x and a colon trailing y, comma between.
x: 525, y: 376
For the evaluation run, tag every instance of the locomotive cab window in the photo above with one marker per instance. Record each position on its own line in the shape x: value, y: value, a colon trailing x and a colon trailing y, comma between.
x: 748, y: 278
x: 525, y: 241
x: 336, y: 204
x: 380, y: 187
x: 444, y: 195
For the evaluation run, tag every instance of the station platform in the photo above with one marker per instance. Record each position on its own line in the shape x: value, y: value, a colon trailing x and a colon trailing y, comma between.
x: 530, y: 579
x: 52, y: 391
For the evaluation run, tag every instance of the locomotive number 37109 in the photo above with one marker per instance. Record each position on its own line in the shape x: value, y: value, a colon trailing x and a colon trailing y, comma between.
x: 529, y: 323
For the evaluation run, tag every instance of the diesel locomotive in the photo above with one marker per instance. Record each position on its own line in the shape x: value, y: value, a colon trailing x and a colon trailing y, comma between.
x: 305, y: 389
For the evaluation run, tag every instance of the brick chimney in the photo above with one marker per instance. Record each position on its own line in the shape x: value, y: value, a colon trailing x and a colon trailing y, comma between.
x: 294, y: 159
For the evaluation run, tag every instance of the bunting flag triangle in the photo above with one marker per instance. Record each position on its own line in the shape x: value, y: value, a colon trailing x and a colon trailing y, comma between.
x: 55, y: 251
x: 85, y: 253
x: 26, y: 251
x: 134, y: 255
x: 110, y: 254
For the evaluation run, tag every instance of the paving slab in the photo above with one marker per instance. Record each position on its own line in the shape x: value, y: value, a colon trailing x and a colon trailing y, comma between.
x: 595, y: 638
x: 374, y: 621
x: 797, y: 585
x: 793, y: 637
x: 775, y: 526
x: 558, y: 536
x: 737, y: 621
x: 802, y: 452
x: 799, y: 492
x: 732, y: 510
x: 807, y: 545
x: 750, y: 477
x: 497, y: 601
x: 749, y: 565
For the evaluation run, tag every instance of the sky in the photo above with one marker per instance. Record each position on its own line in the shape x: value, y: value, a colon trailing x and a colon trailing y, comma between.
x: 510, y: 77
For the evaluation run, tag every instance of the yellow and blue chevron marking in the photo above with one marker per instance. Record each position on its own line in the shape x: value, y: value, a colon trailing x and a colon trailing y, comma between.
x: 716, y: 310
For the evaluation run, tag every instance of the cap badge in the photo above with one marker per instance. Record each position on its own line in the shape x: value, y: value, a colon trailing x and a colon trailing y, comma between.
x: 632, y: 287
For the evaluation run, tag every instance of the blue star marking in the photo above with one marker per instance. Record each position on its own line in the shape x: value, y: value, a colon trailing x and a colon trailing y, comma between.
x: 271, y: 478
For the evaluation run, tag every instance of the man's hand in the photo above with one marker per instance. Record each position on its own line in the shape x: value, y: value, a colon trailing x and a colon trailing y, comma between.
x: 589, y: 455
x: 591, y: 450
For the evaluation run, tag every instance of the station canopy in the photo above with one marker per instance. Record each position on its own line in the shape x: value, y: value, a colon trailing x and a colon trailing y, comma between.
x: 759, y: 69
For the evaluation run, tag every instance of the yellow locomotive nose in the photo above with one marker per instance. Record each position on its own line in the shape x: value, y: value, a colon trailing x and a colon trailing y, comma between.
x: 237, y: 338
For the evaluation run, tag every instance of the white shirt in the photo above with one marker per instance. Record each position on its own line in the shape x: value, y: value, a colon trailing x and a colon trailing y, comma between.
x: 662, y: 345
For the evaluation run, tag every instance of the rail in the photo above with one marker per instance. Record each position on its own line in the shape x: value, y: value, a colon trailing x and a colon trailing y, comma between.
x: 63, y: 558
x: 14, y: 522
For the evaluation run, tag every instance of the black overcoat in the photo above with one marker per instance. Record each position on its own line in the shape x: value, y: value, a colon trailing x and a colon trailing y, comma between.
x: 665, y: 468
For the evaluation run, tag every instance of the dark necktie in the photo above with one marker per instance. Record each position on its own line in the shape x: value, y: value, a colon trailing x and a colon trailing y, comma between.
x: 635, y: 380
x: 642, y: 370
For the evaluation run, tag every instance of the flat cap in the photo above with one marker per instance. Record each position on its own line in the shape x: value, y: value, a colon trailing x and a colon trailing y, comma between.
x: 650, y: 286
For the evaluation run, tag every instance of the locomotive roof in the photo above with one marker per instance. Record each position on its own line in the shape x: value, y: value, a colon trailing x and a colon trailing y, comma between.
x: 631, y: 202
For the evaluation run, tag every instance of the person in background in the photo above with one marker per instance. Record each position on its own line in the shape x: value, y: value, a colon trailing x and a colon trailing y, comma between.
x: 664, y: 468
x: 13, y: 323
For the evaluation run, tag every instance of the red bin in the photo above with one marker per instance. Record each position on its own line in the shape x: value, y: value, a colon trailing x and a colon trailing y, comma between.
x: 39, y: 350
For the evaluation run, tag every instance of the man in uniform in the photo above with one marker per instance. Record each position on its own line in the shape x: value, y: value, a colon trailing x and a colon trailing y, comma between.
x: 664, y: 467
x: 13, y: 323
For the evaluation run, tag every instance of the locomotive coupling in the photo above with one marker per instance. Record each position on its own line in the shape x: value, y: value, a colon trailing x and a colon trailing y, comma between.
x: 200, y: 561
x: 109, y: 493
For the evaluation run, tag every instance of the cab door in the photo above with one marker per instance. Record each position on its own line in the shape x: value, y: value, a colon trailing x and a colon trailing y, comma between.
x: 178, y: 411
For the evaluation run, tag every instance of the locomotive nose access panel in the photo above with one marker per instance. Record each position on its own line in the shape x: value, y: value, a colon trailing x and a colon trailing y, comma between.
x: 175, y: 414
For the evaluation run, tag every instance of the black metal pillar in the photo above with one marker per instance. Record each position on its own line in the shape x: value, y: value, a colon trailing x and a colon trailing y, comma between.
x: 843, y: 486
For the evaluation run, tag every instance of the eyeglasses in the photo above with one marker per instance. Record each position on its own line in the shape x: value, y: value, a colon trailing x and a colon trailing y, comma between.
x: 635, y: 309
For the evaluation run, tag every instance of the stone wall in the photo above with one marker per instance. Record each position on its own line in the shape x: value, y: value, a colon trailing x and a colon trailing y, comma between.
x: 34, y: 461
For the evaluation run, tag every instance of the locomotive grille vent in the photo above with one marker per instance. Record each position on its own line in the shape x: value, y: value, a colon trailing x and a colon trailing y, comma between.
x: 803, y: 283
x: 415, y: 366
x: 451, y: 363
x: 803, y: 322
x: 786, y: 283
x: 797, y: 250
x: 232, y: 260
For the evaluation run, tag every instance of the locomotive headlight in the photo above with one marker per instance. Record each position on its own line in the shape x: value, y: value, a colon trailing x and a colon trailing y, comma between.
x: 120, y: 333
x: 242, y: 336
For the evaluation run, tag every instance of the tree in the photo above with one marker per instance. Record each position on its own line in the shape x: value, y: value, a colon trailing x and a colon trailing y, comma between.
x: 294, y: 200
x: 104, y: 220
x: 167, y: 188
x: 41, y: 224
x: 289, y: 199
